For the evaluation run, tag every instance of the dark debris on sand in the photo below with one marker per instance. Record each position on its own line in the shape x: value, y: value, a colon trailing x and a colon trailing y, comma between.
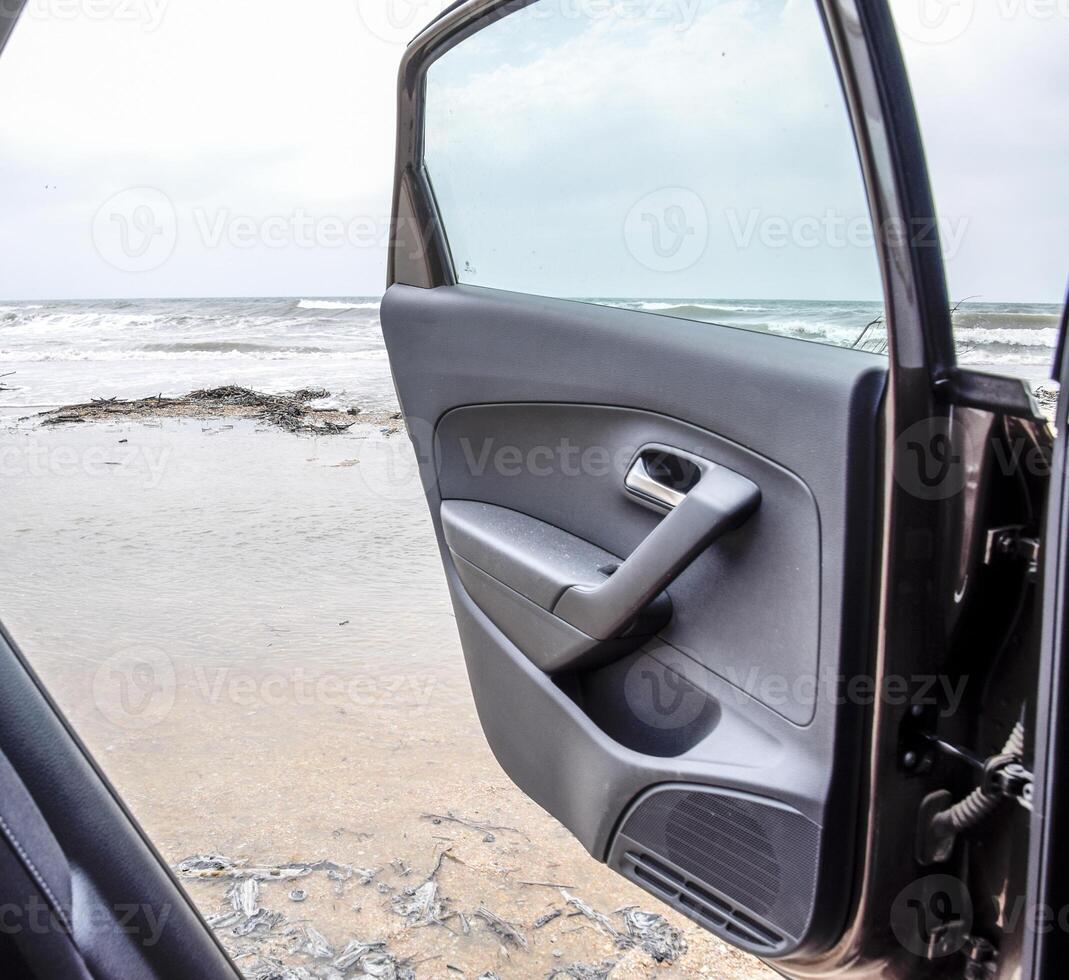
x: 291, y: 411
x: 584, y: 971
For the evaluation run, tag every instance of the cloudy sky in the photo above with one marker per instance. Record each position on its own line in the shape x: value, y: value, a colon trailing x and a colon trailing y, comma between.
x: 267, y: 128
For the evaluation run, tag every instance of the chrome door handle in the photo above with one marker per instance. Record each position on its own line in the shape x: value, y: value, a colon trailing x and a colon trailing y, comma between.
x: 640, y: 481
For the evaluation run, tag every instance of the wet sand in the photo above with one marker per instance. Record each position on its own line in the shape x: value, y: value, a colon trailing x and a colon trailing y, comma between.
x: 251, y: 630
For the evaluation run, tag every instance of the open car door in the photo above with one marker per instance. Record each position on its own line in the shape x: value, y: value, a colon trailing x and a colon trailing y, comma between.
x: 715, y: 582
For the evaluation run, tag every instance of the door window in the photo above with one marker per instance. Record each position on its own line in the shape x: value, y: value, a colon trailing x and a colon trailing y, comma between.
x: 693, y: 160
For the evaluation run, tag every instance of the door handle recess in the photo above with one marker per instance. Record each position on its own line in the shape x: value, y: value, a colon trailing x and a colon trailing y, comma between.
x: 718, y: 500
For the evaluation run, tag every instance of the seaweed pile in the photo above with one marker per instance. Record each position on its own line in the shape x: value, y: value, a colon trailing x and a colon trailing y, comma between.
x: 292, y: 411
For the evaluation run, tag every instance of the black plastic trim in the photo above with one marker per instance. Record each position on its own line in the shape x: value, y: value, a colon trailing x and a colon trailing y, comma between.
x: 991, y: 392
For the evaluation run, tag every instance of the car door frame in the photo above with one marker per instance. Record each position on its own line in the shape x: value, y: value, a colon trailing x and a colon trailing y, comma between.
x: 1047, y: 945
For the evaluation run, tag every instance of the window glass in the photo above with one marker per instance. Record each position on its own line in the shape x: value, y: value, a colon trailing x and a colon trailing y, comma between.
x: 694, y: 160
x: 991, y: 86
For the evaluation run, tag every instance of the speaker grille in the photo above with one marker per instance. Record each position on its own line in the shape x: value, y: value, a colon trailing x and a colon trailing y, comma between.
x: 730, y: 859
x: 700, y: 904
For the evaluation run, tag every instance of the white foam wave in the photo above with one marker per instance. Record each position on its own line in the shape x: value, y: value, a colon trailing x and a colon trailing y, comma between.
x: 711, y: 307
x: 329, y: 304
x: 85, y: 322
x: 1017, y: 337
x: 280, y: 354
x: 811, y: 330
x: 1009, y: 336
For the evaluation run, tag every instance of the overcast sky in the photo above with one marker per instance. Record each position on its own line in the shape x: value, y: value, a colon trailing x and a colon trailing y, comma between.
x: 268, y: 126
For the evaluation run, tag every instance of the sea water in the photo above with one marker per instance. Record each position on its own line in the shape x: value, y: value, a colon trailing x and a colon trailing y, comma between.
x: 67, y: 351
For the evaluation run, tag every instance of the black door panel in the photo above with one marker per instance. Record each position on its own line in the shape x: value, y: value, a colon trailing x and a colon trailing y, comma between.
x: 578, y: 456
x: 525, y: 428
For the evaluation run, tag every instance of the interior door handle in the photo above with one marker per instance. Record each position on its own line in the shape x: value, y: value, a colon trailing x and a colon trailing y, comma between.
x: 718, y: 500
x: 645, y: 484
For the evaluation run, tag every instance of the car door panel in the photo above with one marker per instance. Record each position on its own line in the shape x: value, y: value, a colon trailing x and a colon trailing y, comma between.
x: 777, y: 551
x: 750, y: 808
x: 514, y: 405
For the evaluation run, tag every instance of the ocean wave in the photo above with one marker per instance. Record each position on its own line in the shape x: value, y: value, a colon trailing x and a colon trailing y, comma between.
x: 695, y: 311
x: 230, y: 347
x: 329, y: 304
x: 1008, y: 336
x: 841, y: 336
x: 698, y: 309
x: 226, y: 353
x: 92, y: 320
x: 1002, y: 320
x: 996, y: 359
x: 1040, y: 338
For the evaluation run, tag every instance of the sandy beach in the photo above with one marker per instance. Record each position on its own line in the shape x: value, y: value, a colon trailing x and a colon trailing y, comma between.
x: 227, y: 611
